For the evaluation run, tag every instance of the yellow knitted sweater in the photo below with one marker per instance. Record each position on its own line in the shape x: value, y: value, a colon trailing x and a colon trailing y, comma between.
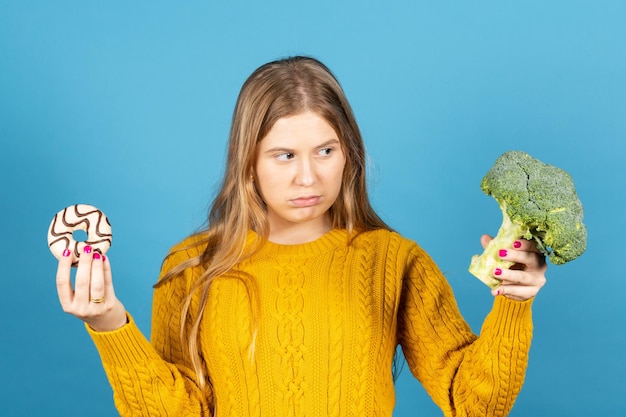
x: 327, y: 318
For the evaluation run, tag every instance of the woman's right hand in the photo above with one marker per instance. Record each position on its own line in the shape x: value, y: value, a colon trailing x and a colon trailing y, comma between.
x: 93, y: 298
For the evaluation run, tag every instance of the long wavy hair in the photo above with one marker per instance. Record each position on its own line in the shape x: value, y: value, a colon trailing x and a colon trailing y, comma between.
x: 275, y: 90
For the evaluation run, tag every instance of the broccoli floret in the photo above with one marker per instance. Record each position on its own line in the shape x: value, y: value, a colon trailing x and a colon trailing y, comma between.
x: 539, y: 202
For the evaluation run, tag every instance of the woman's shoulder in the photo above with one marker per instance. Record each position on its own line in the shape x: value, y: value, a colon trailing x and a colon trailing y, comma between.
x: 190, y: 247
x: 194, y: 242
x: 183, y: 259
x: 387, y: 237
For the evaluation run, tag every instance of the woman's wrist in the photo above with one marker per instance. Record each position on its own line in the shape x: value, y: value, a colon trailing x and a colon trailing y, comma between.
x: 115, y: 319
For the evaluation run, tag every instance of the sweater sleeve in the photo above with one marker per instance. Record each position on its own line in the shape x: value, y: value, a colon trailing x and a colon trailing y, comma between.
x: 465, y: 374
x: 152, y: 378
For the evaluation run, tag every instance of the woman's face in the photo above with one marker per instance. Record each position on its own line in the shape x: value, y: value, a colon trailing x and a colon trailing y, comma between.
x: 298, y: 173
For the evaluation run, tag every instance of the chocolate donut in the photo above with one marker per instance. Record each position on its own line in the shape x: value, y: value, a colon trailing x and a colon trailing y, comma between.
x: 79, y: 217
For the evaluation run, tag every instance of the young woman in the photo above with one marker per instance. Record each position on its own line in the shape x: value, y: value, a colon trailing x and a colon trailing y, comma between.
x: 294, y: 298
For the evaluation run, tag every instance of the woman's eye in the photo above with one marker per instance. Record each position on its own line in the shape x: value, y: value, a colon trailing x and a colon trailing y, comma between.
x: 325, y: 151
x: 285, y: 156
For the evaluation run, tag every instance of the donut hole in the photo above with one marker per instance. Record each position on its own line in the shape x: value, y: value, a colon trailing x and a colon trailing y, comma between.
x: 79, y: 235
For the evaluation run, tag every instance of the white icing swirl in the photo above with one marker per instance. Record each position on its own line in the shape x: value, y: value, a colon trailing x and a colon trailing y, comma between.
x: 79, y: 217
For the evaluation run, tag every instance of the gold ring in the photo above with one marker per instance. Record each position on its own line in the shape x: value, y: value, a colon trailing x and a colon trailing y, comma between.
x: 97, y: 300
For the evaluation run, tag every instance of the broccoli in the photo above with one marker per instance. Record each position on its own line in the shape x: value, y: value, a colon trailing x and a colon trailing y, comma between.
x: 539, y: 202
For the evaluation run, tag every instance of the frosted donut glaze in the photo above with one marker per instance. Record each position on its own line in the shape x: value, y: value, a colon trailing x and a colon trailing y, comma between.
x: 79, y: 217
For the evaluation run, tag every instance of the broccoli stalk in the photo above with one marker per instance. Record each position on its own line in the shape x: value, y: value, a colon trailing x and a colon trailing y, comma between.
x: 482, y: 266
x: 538, y: 202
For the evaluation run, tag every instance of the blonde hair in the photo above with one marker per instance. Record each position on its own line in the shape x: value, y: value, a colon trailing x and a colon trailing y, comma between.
x: 275, y: 90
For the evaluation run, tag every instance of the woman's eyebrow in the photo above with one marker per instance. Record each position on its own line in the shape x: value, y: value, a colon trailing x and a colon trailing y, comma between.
x: 289, y: 150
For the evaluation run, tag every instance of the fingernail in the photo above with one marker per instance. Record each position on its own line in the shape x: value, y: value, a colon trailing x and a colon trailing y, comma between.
x: 87, y: 249
x: 96, y: 255
x: 67, y: 253
x: 104, y: 258
x: 497, y: 292
x: 497, y: 271
x: 517, y: 244
x: 502, y: 253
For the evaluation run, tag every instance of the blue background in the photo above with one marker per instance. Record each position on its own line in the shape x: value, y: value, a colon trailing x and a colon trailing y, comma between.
x: 127, y: 105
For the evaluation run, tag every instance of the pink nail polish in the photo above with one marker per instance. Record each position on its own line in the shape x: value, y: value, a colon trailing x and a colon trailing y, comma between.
x: 497, y: 271
x: 517, y: 244
x: 87, y: 249
x: 104, y: 258
x: 67, y: 253
x: 96, y: 255
x: 498, y: 292
x: 502, y: 253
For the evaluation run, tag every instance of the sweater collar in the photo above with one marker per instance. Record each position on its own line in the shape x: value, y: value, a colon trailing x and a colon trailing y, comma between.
x: 332, y: 240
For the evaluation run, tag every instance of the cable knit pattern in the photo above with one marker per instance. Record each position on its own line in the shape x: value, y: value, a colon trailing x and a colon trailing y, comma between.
x: 311, y: 330
x: 288, y: 311
x: 335, y: 324
x: 364, y: 317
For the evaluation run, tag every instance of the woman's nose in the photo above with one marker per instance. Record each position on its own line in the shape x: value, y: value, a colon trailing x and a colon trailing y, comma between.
x: 306, y: 173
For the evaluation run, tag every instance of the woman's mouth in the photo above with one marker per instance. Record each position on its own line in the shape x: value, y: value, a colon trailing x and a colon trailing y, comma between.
x: 305, y: 201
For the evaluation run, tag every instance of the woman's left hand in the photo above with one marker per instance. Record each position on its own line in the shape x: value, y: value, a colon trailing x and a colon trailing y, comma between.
x: 525, y: 278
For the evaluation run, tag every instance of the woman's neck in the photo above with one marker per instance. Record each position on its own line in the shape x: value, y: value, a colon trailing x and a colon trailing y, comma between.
x: 295, y: 233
